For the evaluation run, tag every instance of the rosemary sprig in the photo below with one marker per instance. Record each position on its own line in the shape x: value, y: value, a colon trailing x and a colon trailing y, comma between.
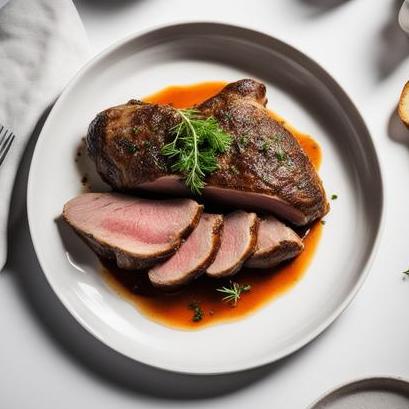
x: 196, y: 144
x: 233, y: 293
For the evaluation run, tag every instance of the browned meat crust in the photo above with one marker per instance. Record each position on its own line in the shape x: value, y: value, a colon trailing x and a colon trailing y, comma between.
x: 265, y: 159
x: 286, y: 250
x: 125, y: 142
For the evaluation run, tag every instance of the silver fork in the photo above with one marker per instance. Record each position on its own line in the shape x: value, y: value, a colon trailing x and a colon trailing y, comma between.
x: 6, y: 139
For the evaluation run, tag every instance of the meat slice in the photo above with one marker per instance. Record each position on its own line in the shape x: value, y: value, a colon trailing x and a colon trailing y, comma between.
x: 135, y: 233
x: 193, y: 257
x: 239, y: 240
x: 275, y: 243
x: 265, y: 168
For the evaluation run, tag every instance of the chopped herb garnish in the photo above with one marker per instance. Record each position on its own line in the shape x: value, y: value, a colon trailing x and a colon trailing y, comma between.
x: 128, y: 145
x: 135, y: 129
x: 147, y: 144
x: 228, y: 116
x: 233, y: 170
x: 280, y: 155
x: 243, y: 140
x: 197, y: 143
x: 265, y: 146
x: 197, y: 311
x: 277, y: 138
x: 334, y: 197
x: 233, y: 292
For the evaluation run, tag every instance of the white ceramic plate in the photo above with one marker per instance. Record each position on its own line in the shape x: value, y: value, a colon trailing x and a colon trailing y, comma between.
x: 299, y: 90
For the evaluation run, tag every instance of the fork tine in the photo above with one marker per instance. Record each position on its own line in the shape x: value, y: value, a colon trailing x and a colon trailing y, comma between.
x: 5, y: 148
x: 3, y: 137
x: 9, y: 139
x: 4, y: 142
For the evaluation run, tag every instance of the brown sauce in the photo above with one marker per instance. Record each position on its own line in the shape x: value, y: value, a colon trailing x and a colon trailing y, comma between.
x: 173, y: 309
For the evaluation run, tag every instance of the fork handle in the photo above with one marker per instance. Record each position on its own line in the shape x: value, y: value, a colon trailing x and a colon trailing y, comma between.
x: 8, y: 172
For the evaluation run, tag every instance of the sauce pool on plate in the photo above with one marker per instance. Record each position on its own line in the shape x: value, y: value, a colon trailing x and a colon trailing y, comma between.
x: 177, y: 310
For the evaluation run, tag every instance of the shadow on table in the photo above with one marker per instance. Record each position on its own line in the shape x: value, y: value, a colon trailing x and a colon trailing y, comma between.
x: 396, y: 130
x: 393, y: 43
x: 83, y: 349
x: 104, y: 5
x: 323, y: 6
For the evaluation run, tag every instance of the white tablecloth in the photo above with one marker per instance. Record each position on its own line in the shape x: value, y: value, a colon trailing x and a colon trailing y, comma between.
x: 48, y: 361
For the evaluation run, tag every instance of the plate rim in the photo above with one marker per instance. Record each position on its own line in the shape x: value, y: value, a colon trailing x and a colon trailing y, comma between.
x: 310, y: 336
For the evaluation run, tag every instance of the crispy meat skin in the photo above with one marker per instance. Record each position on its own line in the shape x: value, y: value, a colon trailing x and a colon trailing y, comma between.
x: 265, y: 159
x: 125, y: 143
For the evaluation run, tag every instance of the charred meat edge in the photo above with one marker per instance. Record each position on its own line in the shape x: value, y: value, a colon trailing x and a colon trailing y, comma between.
x: 284, y: 251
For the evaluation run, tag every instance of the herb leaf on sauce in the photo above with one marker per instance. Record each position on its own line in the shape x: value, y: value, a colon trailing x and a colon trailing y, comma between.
x: 233, y: 292
x: 197, y: 311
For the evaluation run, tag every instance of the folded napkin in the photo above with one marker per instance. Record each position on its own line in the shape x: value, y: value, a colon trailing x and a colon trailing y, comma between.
x: 42, y: 44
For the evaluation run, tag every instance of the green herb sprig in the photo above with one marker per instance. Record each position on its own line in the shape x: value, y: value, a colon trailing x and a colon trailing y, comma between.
x: 197, y: 143
x: 233, y: 292
x: 197, y: 311
x: 128, y: 146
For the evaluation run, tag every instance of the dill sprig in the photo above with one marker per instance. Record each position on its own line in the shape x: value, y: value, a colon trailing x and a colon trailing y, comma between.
x: 233, y: 293
x: 195, y: 147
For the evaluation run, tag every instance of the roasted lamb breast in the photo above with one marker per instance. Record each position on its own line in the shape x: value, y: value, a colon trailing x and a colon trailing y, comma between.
x: 265, y: 168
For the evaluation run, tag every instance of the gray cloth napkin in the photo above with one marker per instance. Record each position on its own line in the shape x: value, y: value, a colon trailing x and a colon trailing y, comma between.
x: 42, y: 44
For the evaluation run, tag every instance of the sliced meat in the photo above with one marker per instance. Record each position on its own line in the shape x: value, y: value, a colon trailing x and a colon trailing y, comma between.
x: 275, y: 243
x: 239, y: 240
x: 193, y: 257
x: 265, y: 168
x: 135, y: 233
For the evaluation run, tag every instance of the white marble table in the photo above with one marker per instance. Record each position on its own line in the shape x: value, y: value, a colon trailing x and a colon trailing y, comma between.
x: 48, y: 361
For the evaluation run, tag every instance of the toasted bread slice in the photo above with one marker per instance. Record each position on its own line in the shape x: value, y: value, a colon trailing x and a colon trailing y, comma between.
x: 403, y: 108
